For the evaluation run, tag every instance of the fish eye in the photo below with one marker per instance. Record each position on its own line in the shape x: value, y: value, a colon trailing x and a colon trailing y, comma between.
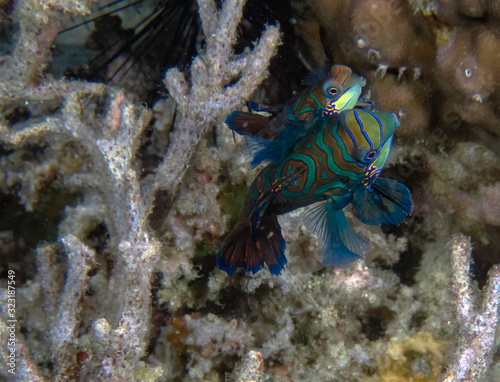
x: 332, y: 91
x: 371, y: 155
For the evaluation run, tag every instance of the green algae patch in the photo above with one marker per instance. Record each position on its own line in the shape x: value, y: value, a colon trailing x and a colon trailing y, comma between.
x: 204, y: 256
x: 231, y: 198
x: 40, y: 224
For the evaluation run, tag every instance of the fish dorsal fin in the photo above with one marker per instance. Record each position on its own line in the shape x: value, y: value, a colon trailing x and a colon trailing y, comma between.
x: 386, y: 201
x: 318, y: 75
x: 260, y: 107
x: 249, y: 124
x: 338, y: 242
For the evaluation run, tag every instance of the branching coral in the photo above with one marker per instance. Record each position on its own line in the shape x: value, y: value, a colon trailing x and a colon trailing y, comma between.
x: 22, y: 70
x: 115, y: 347
x: 113, y: 152
x: 66, y: 305
x: 210, y: 94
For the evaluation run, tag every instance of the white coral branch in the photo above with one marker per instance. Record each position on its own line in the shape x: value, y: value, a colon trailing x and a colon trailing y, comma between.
x: 25, y: 369
x: 251, y: 369
x: 210, y: 94
x: 476, y: 324
x: 80, y: 260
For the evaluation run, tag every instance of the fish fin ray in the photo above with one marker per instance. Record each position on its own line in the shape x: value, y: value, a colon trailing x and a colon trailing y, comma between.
x: 273, y: 253
x: 365, y: 103
x: 338, y: 242
x: 264, y: 150
x: 249, y: 124
x: 240, y: 250
x: 315, y: 76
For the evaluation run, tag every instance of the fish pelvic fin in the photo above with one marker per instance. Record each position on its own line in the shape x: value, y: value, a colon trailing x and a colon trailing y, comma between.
x: 244, y: 249
x: 386, y: 201
x: 338, y: 242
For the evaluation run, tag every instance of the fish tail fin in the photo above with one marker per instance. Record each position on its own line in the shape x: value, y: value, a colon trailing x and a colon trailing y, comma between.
x: 239, y: 251
x: 242, y: 248
x: 272, y: 244
x: 257, y: 238
x: 339, y: 243
x: 386, y: 201
x: 249, y: 124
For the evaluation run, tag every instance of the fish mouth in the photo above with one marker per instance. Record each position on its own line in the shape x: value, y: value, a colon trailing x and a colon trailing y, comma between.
x: 356, y: 78
x: 346, y: 101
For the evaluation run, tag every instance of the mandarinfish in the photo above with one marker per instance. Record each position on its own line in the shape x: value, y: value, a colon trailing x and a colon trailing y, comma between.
x: 328, y: 92
x: 336, y: 163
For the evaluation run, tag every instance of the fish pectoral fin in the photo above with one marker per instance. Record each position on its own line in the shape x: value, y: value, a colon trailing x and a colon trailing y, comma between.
x: 263, y: 150
x: 269, y: 151
x: 365, y: 103
x: 386, y: 201
x: 338, y: 242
